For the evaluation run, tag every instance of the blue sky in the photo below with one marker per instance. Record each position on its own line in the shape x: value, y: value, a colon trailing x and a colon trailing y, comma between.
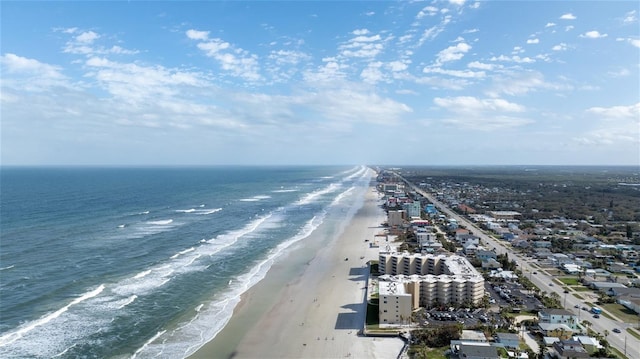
x: 316, y: 82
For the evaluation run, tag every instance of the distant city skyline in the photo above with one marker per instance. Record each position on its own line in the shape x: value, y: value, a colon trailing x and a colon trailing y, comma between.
x: 317, y: 83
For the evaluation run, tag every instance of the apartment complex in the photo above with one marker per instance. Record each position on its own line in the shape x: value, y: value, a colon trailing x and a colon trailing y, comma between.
x: 426, y: 280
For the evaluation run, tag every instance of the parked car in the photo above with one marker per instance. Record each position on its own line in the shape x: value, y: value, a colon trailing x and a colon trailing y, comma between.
x: 616, y: 330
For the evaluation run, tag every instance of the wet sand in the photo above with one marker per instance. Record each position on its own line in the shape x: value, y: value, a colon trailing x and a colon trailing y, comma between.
x: 311, y: 304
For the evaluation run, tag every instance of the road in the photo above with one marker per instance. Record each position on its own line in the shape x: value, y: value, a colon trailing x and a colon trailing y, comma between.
x: 624, y: 342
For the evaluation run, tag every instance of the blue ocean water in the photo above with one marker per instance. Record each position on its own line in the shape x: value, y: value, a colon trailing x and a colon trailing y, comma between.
x: 124, y: 262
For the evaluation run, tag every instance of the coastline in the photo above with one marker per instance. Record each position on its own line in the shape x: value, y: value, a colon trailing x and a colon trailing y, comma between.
x: 311, y: 304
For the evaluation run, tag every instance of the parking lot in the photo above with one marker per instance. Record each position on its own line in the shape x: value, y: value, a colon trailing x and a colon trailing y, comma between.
x: 505, y: 294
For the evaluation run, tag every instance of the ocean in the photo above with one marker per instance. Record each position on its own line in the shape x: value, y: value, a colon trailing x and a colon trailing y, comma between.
x: 148, y: 262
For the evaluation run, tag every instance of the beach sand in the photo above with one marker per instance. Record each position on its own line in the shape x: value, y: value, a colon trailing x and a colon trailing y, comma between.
x: 311, y: 304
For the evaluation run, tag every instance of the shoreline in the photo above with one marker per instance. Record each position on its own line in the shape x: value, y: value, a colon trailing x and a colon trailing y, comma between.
x: 312, y: 301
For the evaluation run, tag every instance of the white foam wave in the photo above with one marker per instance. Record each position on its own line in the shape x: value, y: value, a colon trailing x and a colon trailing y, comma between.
x: 142, y: 274
x: 255, y: 198
x: 284, y: 190
x: 26, y: 328
x: 145, y: 212
x: 8, y: 267
x: 127, y: 301
x: 190, y: 210
x: 202, y: 205
x: 315, y: 194
x: 121, y: 226
x: 199, y: 307
x: 209, y: 211
x: 161, y: 223
x: 64, y: 351
x: 210, y: 321
x: 183, y: 252
x: 342, y: 196
x: 156, y: 336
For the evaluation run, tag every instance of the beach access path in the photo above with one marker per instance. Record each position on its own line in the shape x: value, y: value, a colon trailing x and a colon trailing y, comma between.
x: 320, y: 313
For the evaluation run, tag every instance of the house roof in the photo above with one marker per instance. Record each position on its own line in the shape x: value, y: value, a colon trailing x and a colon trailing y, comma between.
x: 554, y: 311
x: 507, y: 336
x: 483, y: 351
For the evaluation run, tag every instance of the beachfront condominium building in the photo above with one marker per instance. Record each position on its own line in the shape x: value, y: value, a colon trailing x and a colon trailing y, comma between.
x: 430, y: 279
x: 395, y: 303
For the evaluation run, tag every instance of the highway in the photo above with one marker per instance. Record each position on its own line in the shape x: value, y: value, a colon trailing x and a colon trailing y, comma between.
x: 624, y: 342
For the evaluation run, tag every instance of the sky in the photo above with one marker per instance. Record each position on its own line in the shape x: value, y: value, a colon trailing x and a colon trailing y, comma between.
x: 320, y: 83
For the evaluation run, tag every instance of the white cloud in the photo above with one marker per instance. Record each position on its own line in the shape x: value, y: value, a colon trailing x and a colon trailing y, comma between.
x: 30, y: 74
x: 620, y: 73
x: 236, y: 61
x: 630, y: 17
x: 516, y: 59
x: 360, y: 32
x: 453, y: 53
x: 396, y: 66
x: 288, y: 57
x: 533, y: 41
x: 482, y: 66
x: 457, y: 2
x: 87, y: 37
x: 470, y: 31
x: 455, y: 73
x: 593, y: 35
x: 427, y: 11
x: 568, y: 16
x: 481, y: 114
x: 550, y: 24
x: 362, y: 46
x: 568, y: 28
x: 486, y: 123
x: 197, y: 35
x: 520, y: 83
x: 372, y: 74
x: 468, y: 104
x: 353, y: 104
x: 369, y: 13
x: 213, y: 47
x: 560, y: 47
x: 634, y: 42
x: 617, y: 112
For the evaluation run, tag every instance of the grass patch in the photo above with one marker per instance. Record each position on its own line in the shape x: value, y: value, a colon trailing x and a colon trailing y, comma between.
x: 419, y: 352
x: 373, y: 267
x: 633, y: 332
x: 373, y: 319
x: 618, y: 353
x: 580, y: 288
x: 621, y: 312
x: 570, y: 280
x: 578, y: 296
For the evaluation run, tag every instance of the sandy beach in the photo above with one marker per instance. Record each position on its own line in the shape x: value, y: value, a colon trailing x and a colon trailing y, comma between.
x: 312, y: 303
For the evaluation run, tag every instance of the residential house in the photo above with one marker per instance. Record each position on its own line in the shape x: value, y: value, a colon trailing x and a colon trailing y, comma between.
x: 558, y: 316
x: 508, y: 340
x: 570, y: 349
x: 477, y: 351
x: 561, y: 331
x: 590, y: 344
x: 484, y: 255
